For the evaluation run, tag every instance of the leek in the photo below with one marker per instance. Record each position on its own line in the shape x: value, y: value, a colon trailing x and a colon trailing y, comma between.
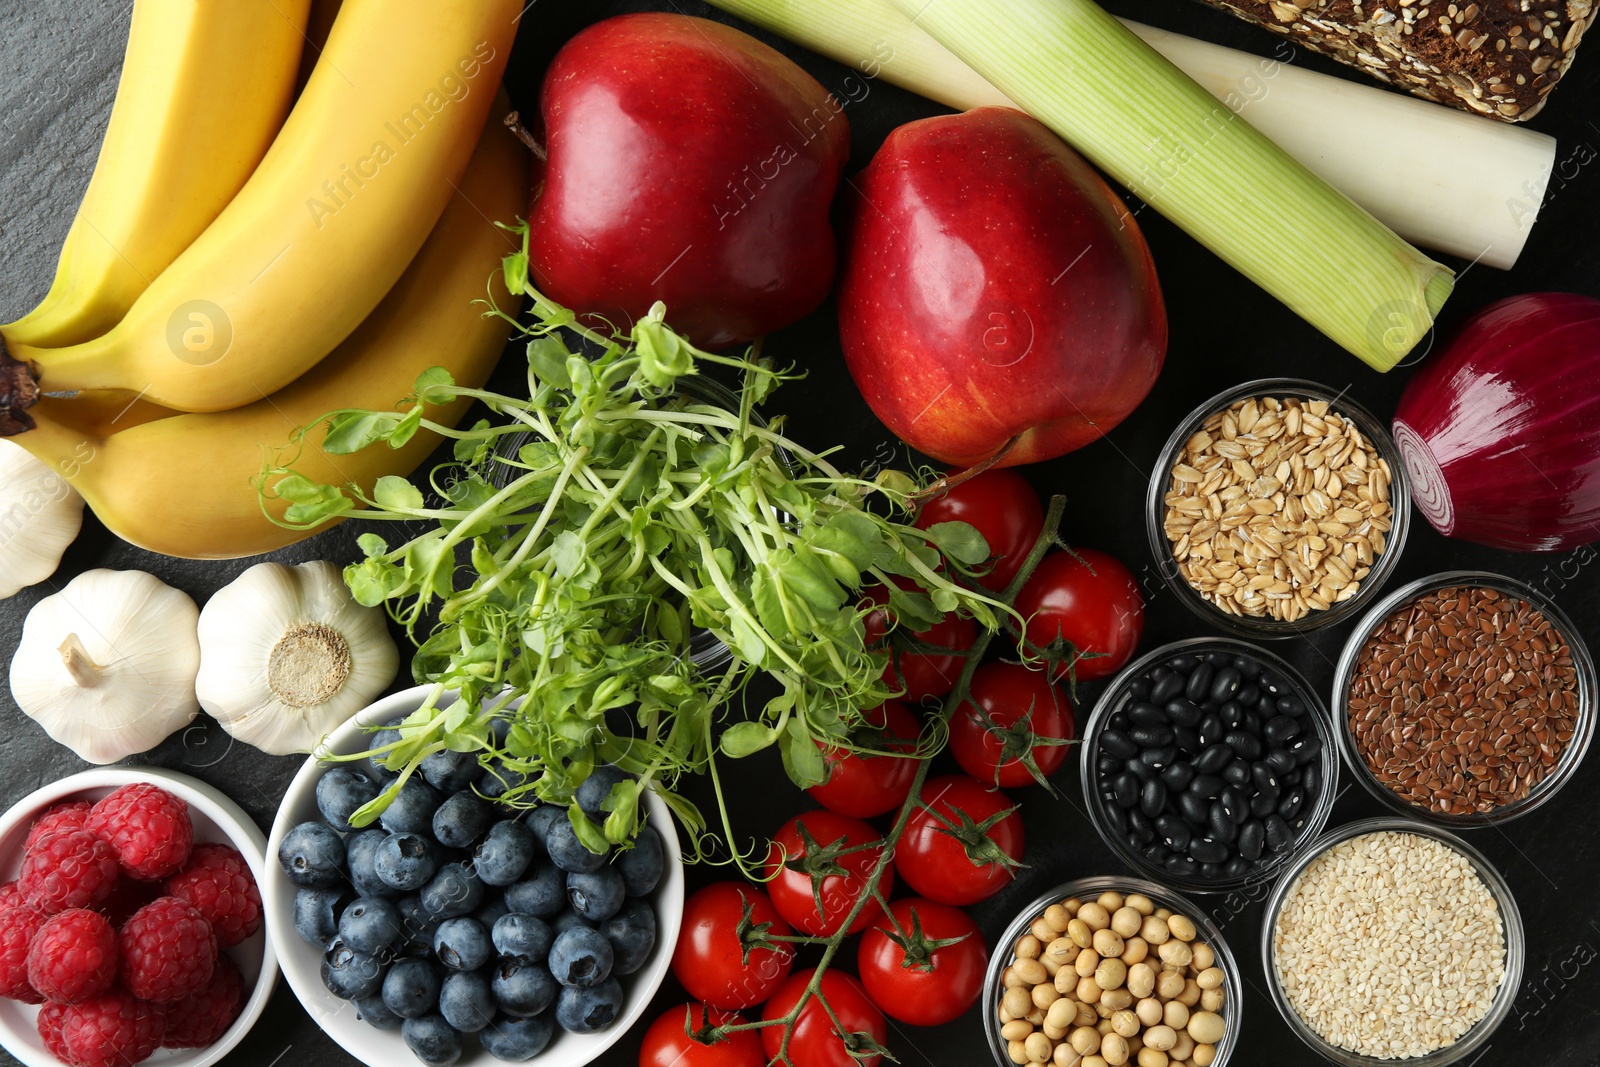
x: 1147, y: 125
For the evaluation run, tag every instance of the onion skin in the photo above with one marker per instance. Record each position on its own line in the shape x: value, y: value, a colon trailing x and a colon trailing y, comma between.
x: 1500, y: 432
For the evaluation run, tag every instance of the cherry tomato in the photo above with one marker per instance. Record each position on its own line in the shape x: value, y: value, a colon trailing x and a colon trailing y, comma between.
x: 1092, y: 602
x: 862, y: 786
x: 1004, y: 508
x: 709, y: 959
x: 910, y: 975
x: 924, y: 674
x: 833, y: 855
x: 668, y: 1042
x: 960, y: 846
x: 1012, y: 710
x: 816, y: 1043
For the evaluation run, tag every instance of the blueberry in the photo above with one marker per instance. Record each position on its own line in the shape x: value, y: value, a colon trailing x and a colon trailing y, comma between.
x: 451, y: 772
x: 521, y: 988
x: 540, y: 818
x: 416, y: 926
x: 316, y: 913
x: 643, y: 864
x: 340, y: 791
x: 361, y: 857
x: 411, y: 988
x: 454, y: 890
x: 432, y: 1040
x: 499, y: 779
x: 568, y: 853
x: 411, y: 811
x: 405, y: 861
x: 461, y: 819
x: 493, y: 907
x: 351, y: 975
x: 516, y: 1040
x: 372, y: 1011
x: 587, y: 1011
x: 465, y: 1001
x: 544, y: 895
x: 462, y: 944
x: 581, y: 957
x: 371, y: 926
x: 591, y: 794
x: 374, y: 764
x: 312, y: 856
x: 596, y: 896
x: 505, y: 853
x: 632, y: 933
x: 520, y: 936
x: 570, y: 920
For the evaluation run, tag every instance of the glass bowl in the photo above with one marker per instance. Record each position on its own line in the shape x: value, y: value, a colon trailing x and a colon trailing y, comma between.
x: 1265, y: 627
x: 1511, y: 922
x: 1117, y: 696
x: 1087, y: 889
x: 1582, y: 734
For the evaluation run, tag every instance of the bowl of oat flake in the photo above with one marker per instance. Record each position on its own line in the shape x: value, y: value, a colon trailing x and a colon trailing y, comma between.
x: 1388, y: 940
x: 1278, y: 507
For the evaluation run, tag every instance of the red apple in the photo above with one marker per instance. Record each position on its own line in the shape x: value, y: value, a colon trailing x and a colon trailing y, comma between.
x: 996, y: 296
x: 688, y: 163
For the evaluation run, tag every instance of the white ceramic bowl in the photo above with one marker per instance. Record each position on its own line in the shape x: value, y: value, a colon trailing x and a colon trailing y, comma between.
x: 302, y: 961
x: 216, y: 819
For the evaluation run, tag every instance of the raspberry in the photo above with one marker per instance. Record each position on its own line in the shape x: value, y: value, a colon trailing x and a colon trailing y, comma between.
x: 68, y: 869
x: 115, y: 1030
x: 17, y: 927
x: 68, y: 815
x: 10, y: 895
x: 168, y: 951
x: 218, y: 884
x: 49, y: 1024
x: 147, y: 827
x: 73, y: 957
x: 200, y: 1018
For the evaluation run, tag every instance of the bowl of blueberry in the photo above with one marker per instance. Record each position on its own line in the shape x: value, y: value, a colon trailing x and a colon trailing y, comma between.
x: 1207, y: 763
x: 456, y: 928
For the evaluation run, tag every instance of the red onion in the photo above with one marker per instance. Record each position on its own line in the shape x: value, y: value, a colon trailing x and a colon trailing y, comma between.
x: 1500, y: 432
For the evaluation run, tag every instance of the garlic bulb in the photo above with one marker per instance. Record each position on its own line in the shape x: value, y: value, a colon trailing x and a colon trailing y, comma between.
x: 286, y: 654
x: 40, y: 514
x: 107, y: 665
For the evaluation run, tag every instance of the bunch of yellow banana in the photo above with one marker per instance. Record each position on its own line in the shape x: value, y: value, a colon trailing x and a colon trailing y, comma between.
x: 202, y: 312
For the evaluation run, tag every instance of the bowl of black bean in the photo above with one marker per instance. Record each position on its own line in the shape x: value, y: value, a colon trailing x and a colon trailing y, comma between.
x: 1207, y: 763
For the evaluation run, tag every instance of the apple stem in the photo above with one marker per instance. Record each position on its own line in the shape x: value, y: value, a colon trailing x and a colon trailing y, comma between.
x: 950, y: 481
x: 513, y: 123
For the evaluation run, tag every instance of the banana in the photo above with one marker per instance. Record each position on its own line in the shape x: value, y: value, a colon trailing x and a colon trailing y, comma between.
x: 347, y: 193
x: 198, y: 79
x: 184, y: 485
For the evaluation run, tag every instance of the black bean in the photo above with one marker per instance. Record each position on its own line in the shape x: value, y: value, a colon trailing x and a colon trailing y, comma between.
x: 1117, y: 744
x: 1139, y: 689
x: 1147, y: 714
x: 1266, y: 706
x: 1182, y: 866
x: 1125, y: 787
x: 1237, y: 772
x: 1210, y: 871
x: 1262, y: 805
x: 1220, y: 825
x: 1264, y: 780
x: 1233, y: 804
x: 1199, y: 682
x: 1184, y: 664
x: 1213, y: 759
x: 1312, y: 778
x: 1194, y: 809
x: 1205, y: 850
x: 1140, y: 827
x: 1187, y: 738
x: 1252, y: 836
x: 1177, y: 776
x: 1164, y: 685
x: 1225, y: 684
x: 1281, y: 728
x: 1157, y: 758
x: 1279, y: 836
x: 1153, y: 798
x: 1218, y: 659
x: 1245, y: 744
x: 1108, y: 765
x: 1289, y: 778
x: 1247, y: 667
x: 1291, y: 705
x: 1272, y: 682
x: 1207, y: 785
x: 1142, y: 770
x: 1237, y: 867
x: 1151, y: 736
x: 1305, y: 749
x: 1252, y: 722
x: 1280, y: 761
x: 1119, y: 721
x: 1156, y: 853
x: 1232, y: 714
x: 1248, y: 695
x: 1173, y: 832
x: 1292, y: 802
x: 1211, y: 729
x: 1117, y: 818
x: 1182, y: 712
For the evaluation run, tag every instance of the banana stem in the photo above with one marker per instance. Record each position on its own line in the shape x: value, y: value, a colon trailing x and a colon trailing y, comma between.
x: 19, y: 390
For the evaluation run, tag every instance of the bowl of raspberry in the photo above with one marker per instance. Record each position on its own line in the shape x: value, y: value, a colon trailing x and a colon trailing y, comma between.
x: 131, y: 923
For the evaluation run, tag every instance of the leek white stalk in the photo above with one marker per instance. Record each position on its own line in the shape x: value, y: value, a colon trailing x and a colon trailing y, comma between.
x: 1138, y: 118
x: 1444, y: 179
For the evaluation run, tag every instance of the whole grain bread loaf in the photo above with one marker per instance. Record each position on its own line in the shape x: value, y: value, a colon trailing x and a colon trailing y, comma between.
x: 1494, y: 57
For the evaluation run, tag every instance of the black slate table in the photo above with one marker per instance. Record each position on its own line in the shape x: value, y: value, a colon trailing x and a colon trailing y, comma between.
x: 60, y: 63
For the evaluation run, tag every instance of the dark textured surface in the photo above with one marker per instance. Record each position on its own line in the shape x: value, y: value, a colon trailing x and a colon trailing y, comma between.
x: 60, y: 63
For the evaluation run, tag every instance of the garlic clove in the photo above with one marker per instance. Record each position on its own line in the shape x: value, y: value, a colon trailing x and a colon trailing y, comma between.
x: 107, y: 665
x: 287, y: 655
x: 40, y: 515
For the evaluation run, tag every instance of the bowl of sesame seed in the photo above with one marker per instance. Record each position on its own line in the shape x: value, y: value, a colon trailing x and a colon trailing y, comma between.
x: 1389, y: 940
x: 1278, y: 507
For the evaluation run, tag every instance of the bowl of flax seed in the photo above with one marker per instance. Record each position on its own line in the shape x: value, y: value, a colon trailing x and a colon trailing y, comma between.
x: 1465, y: 698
